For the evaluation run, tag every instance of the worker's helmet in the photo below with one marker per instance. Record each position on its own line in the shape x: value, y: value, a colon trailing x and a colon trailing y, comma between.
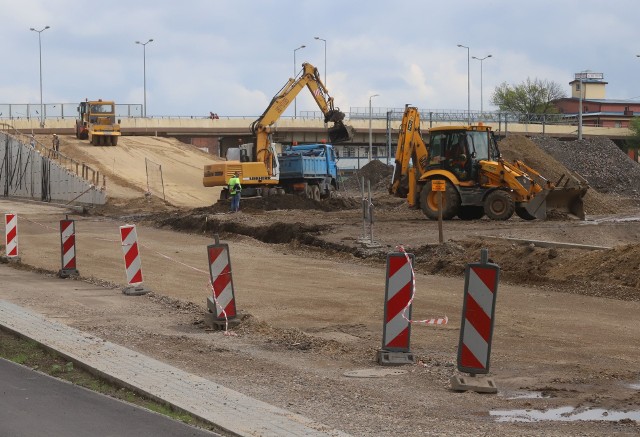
x: 55, y: 135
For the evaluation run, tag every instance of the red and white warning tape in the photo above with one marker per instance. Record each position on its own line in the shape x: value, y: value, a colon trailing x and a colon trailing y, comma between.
x: 224, y: 313
x: 436, y: 321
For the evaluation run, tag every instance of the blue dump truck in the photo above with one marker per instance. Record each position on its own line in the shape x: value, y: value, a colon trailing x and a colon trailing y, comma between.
x: 309, y: 170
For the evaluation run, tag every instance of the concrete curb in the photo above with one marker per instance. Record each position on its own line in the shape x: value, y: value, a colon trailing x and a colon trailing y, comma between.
x: 225, y: 408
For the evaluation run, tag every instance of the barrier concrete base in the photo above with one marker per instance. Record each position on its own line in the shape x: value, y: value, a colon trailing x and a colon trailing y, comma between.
x: 368, y: 243
x: 66, y: 273
x: 212, y: 322
x: 135, y: 290
x: 10, y: 259
x: 390, y: 358
x: 479, y: 384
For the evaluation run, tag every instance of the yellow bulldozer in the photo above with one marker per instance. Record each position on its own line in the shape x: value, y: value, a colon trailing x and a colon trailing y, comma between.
x: 97, y: 123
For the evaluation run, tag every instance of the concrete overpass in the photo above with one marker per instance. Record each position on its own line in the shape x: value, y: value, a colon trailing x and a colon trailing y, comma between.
x: 226, y: 131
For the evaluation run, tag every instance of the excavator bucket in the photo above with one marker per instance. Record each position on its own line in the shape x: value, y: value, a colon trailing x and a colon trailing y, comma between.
x: 563, y: 198
x: 339, y: 133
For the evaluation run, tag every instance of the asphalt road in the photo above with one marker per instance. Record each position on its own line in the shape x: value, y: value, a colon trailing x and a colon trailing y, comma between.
x: 34, y: 404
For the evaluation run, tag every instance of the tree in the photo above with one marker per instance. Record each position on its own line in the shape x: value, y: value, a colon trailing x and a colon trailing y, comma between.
x: 530, y: 97
x: 633, y: 142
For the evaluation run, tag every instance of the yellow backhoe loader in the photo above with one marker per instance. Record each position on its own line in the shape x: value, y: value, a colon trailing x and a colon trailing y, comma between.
x: 478, y: 180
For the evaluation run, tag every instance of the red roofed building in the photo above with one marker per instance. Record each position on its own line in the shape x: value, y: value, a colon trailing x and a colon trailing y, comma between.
x: 596, y: 109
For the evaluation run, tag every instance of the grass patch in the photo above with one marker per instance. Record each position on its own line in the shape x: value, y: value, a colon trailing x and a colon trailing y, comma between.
x: 30, y: 354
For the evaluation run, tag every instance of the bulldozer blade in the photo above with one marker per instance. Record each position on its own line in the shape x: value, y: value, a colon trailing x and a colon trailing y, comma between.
x: 339, y: 133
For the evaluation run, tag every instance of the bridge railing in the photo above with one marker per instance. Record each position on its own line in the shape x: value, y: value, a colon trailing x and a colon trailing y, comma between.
x: 62, y: 111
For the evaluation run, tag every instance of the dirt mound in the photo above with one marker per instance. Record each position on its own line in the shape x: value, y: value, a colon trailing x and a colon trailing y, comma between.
x: 376, y: 172
x: 605, y: 273
x: 285, y: 202
x: 141, y: 205
x: 527, y: 150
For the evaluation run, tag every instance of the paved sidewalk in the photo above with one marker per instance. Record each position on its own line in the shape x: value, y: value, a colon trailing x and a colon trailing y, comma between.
x: 230, y: 410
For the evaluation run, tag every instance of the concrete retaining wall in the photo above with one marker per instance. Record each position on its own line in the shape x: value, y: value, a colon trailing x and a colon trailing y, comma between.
x: 25, y: 173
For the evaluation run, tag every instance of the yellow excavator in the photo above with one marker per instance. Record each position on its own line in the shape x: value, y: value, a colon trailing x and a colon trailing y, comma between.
x: 257, y: 162
x: 478, y: 181
x: 97, y: 123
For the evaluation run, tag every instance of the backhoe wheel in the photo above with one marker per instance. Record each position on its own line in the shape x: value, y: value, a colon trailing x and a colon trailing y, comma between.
x: 471, y: 212
x: 315, y: 193
x: 429, y: 201
x: 499, y: 205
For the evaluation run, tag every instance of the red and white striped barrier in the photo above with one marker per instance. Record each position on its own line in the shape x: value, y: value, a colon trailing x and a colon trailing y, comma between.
x: 68, y: 248
x: 476, y: 331
x: 481, y: 285
x: 222, y: 303
x: 11, y: 235
x: 397, y: 310
x: 132, y: 261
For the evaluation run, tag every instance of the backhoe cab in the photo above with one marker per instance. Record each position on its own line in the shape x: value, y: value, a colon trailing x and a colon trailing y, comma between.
x: 478, y: 180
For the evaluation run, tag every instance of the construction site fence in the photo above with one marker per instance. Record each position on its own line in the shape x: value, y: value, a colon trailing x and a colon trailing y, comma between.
x: 30, y: 169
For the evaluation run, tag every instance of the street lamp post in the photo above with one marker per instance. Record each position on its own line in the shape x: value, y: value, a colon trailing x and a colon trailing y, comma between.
x: 144, y: 73
x: 580, y: 109
x: 370, y: 132
x: 481, y: 97
x: 40, y: 52
x: 325, y: 58
x: 295, y: 99
x: 468, y: 85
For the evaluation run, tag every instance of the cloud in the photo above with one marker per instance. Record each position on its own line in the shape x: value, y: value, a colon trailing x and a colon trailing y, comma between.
x: 234, y: 55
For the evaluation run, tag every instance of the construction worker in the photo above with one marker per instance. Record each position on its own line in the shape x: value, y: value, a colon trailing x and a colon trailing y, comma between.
x: 56, y: 145
x: 234, y: 191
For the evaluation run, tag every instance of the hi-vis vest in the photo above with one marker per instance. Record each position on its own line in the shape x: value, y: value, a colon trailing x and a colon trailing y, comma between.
x: 234, y: 185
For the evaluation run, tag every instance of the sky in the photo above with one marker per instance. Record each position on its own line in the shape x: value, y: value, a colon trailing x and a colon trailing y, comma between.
x: 232, y: 56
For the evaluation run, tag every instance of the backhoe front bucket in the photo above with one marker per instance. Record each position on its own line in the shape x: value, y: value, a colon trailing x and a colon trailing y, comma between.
x: 567, y: 200
x: 536, y: 208
x: 564, y: 198
x: 339, y: 133
x: 567, y: 196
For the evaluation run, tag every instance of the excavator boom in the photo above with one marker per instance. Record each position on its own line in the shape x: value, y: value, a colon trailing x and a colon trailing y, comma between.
x: 310, y: 78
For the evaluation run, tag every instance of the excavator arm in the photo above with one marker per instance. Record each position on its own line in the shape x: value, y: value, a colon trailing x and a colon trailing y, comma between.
x: 411, y: 155
x: 309, y: 78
